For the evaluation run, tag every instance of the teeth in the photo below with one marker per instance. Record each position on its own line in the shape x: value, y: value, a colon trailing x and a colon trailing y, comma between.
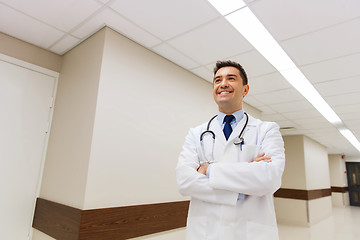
x: 224, y: 92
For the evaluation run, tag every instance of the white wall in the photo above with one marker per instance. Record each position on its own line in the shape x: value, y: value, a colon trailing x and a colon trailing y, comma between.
x: 145, y: 107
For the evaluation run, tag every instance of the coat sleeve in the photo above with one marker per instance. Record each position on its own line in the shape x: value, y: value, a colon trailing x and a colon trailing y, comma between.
x: 194, y: 184
x: 254, y: 178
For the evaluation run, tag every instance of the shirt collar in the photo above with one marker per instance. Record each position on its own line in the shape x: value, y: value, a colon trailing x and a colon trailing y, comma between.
x: 238, y: 116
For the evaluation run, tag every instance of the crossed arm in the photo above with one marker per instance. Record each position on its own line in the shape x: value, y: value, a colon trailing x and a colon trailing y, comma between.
x: 259, y: 177
x: 259, y: 158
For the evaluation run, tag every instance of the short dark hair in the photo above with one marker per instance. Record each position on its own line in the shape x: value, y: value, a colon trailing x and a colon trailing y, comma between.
x: 229, y: 63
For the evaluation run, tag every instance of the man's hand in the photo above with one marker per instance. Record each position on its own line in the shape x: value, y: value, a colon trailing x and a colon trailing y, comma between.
x: 202, y: 169
x: 262, y: 158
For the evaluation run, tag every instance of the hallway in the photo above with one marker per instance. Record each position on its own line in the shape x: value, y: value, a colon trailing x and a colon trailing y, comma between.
x: 342, y: 225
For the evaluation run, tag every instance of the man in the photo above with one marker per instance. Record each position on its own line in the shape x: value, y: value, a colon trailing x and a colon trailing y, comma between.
x: 231, y: 179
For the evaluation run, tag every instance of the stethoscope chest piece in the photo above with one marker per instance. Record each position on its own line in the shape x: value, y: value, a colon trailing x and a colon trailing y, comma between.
x: 239, y: 140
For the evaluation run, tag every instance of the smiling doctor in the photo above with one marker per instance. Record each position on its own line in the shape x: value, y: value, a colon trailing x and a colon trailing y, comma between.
x: 231, y: 166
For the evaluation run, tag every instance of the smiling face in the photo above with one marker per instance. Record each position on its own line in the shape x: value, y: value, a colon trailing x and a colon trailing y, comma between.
x: 229, y: 90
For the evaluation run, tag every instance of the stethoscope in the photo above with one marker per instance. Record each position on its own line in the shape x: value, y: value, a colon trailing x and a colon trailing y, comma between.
x: 238, y: 141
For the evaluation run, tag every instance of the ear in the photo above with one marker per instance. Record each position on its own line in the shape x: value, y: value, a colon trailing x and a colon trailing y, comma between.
x: 246, y: 90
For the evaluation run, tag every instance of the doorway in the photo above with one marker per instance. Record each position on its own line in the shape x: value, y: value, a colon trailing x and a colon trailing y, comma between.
x: 353, y: 175
x: 27, y: 94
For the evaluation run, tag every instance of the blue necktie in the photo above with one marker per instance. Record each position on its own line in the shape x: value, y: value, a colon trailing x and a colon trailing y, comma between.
x: 227, y: 128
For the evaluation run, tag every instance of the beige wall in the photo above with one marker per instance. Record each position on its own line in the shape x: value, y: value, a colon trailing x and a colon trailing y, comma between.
x: 66, y: 165
x: 337, y: 171
x: 145, y: 107
x: 316, y: 165
x: 307, y: 168
x: 294, y: 174
x: 29, y: 53
x: 338, y: 178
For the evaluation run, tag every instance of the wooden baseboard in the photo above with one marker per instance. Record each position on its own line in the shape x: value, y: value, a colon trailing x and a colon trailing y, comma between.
x: 66, y: 223
x: 339, y: 189
x: 301, y: 194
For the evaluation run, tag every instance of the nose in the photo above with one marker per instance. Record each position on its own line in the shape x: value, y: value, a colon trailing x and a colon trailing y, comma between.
x: 224, y: 83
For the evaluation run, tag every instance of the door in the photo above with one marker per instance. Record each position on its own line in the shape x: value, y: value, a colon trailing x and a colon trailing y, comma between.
x: 26, y: 110
x: 353, y: 174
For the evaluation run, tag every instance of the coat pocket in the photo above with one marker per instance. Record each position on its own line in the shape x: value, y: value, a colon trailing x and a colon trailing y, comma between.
x: 249, y: 152
x: 256, y: 231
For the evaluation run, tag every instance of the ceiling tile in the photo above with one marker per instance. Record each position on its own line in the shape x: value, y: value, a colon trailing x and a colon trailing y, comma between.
x: 112, y: 19
x: 292, y: 106
x: 268, y: 83
x: 203, y: 73
x: 253, y: 63
x: 265, y: 109
x: 324, y: 44
x: 251, y: 100
x: 338, y: 87
x: 65, y: 44
x: 313, y: 123
x: 306, y: 114
x: 326, y: 131
x: 286, y: 124
x: 344, y: 99
x: 54, y: 12
x: 175, y: 56
x: 346, y: 108
x: 351, y: 116
x: 343, y: 67
x: 273, y: 117
x: 162, y: 18
x: 202, y: 44
x: 26, y: 28
x: 280, y: 96
x: 286, y: 19
x: 352, y: 124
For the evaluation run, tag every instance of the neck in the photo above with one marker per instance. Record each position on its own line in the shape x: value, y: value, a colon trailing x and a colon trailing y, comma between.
x: 229, y: 111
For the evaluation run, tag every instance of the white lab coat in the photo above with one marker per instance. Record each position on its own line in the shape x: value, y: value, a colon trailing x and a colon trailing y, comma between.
x: 214, y: 212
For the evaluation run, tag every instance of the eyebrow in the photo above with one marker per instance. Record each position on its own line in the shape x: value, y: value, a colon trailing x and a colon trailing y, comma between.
x: 228, y: 75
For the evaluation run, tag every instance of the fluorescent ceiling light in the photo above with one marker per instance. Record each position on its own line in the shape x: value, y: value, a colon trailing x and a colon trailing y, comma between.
x: 255, y: 32
x: 350, y: 137
x: 227, y: 6
x: 297, y: 79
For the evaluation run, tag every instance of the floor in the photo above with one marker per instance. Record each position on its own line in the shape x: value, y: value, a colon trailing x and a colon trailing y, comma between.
x: 344, y: 224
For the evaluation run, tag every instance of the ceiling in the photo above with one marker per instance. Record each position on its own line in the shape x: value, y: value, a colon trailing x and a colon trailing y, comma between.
x: 321, y: 37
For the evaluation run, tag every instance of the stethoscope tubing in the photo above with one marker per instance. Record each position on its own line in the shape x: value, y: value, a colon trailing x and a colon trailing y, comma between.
x: 213, y: 134
x: 238, y: 141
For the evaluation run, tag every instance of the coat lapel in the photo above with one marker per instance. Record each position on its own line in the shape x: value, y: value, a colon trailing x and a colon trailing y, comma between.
x: 216, y: 128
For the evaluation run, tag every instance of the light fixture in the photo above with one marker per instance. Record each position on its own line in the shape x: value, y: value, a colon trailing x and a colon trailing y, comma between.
x: 297, y: 79
x: 350, y: 137
x: 227, y: 6
x: 244, y: 20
